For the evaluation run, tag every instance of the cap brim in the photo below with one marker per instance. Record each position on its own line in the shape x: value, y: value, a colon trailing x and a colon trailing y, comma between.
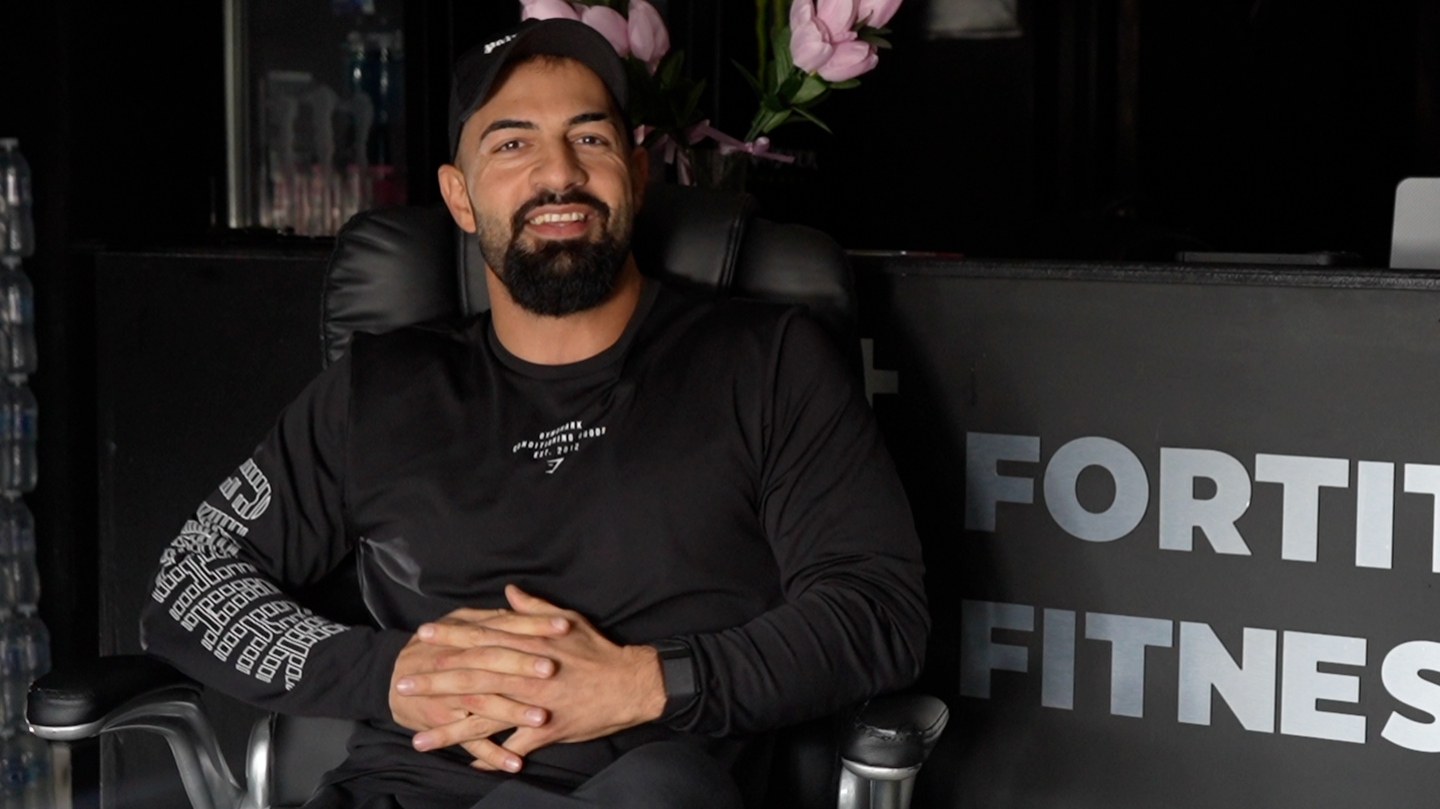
x: 567, y: 38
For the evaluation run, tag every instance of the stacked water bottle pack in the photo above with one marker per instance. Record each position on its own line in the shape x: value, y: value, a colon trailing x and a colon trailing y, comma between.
x: 25, y: 761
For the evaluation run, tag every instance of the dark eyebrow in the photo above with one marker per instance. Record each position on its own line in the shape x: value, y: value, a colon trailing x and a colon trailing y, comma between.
x: 587, y: 117
x: 506, y: 123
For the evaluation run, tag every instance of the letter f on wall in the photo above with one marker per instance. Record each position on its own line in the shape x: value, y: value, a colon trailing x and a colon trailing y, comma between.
x: 985, y: 487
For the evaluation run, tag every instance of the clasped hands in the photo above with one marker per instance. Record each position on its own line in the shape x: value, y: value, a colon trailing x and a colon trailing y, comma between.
x: 543, y: 670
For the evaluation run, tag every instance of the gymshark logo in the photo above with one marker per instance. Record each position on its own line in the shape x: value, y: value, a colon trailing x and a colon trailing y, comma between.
x: 553, y: 446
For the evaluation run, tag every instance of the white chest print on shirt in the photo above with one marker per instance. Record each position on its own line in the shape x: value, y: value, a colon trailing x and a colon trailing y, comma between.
x: 553, y: 446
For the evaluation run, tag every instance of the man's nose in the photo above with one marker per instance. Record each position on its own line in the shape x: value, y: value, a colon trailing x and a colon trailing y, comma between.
x: 559, y: 169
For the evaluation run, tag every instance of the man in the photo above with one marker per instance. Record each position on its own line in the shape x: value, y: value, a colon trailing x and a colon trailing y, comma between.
x: 604, y: 527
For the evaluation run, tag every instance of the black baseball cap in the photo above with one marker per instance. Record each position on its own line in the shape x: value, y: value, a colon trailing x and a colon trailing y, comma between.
x: 476, y: 70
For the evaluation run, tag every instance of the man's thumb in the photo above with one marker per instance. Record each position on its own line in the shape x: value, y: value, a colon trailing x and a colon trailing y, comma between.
x: 524, y: 602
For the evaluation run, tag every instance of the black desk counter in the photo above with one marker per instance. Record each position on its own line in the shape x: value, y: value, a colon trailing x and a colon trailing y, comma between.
x: 1180, y: 527
x: 1179, y: 522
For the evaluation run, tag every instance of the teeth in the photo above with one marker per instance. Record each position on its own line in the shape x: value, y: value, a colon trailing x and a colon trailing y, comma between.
x: 557, y: 217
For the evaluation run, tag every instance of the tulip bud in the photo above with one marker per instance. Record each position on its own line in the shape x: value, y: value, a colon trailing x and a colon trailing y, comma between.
x: 547, y: 10
x: 849, y: 60
x: 611, y: 23
x: 649, y: 39
x: 838, y: 17
x: 809, y: 47
x: 875, y: 13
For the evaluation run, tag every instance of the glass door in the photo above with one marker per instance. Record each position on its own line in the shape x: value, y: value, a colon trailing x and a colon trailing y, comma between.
x: 315, y: 111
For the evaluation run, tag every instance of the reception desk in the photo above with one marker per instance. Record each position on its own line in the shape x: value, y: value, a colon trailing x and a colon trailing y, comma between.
x: 1180, y: 527
x: 1179, y: 522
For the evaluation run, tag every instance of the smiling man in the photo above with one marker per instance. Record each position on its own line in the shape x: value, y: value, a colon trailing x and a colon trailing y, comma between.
x: 612, y: 535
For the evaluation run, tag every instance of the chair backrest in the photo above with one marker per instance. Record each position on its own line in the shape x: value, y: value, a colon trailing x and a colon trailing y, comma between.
x: 394, y: 267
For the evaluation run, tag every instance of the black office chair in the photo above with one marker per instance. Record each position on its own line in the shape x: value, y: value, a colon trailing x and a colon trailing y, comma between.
x: 399, y: 266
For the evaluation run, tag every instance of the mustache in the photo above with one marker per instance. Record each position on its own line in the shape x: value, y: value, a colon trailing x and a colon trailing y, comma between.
x: 572, y: 197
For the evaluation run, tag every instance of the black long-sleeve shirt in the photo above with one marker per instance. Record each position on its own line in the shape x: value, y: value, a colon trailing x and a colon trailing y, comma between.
x: 715, y: 476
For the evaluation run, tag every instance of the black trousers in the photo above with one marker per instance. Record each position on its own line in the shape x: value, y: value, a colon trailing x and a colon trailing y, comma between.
x: 660, y: 775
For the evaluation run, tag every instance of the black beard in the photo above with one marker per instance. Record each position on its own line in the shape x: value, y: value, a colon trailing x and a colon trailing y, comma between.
x: 564, y: 277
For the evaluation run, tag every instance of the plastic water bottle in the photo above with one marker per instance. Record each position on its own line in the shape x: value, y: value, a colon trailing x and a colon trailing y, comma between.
x: 24, y: 657
x: 12, y: 769
x: 26, y: 765
x: 17, y: 320
x: 14, y: 671
x: 34, y: 640
x: 19, y: 575
x: 17, y: 223
x: 37, y: 763
x: 18, y: 414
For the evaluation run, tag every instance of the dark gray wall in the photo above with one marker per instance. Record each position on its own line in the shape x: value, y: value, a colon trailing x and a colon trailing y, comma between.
x: 198, y: 353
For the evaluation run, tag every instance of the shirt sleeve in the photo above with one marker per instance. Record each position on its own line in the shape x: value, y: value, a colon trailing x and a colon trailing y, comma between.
x: 218, y: 609
x: 853, y: 624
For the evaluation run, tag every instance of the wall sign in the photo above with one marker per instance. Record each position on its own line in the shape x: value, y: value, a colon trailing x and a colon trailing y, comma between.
x: 1181, y: 529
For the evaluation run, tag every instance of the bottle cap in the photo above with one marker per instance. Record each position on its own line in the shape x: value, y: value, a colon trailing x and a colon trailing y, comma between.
x: 9, y: 143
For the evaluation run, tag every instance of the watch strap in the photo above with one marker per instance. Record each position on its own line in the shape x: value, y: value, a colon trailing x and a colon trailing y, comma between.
x: 677, y: 669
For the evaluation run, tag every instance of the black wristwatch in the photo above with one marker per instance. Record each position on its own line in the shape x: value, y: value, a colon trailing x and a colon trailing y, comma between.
x: 677, y: 668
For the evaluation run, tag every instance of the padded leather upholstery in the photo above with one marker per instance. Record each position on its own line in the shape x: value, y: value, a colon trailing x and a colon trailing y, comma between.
x: 895, y: 731
x: 394, y: 267
x: 301, y: 752
x: 391, y: 267
x: 79, y: 696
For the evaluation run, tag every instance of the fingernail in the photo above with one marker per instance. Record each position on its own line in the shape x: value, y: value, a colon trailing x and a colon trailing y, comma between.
x: 427, y: 632
x: 559, y: 623
x: 405, y: 685
x: 512, y: 764
x: 535, y: 715
x: 422, y: 742
x: 545, y: 666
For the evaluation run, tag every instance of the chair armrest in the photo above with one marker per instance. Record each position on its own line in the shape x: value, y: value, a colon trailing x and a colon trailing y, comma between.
x: 894, y: 732
x: 75, y: 703
x: 134, y: 692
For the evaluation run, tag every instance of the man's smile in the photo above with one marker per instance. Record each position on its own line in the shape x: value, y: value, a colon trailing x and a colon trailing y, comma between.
x: 560, y: 221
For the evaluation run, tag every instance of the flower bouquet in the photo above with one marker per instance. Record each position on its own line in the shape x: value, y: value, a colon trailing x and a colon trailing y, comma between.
x: 806, y: 50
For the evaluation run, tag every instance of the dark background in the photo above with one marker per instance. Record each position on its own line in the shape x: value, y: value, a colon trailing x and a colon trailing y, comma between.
x: 1119, y: 129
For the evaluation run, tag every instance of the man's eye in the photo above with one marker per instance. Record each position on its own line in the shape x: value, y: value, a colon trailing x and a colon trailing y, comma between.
x: 591, y: 140
x: 509, y: 145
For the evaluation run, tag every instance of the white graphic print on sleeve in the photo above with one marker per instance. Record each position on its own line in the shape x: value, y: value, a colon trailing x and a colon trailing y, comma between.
x: 243, y: 618
x: 248, y: 505
x: 552, y: 446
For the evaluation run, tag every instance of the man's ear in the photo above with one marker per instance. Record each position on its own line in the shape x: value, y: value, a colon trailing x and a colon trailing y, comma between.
x: 639, y: 173
x: 452, y: 189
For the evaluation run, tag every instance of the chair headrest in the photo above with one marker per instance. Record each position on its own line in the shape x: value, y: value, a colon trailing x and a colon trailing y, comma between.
x: 399, y: 266
x: 403, y: 265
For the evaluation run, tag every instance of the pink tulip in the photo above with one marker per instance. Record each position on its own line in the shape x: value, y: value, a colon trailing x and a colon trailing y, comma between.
x: 548, y: 10
x: 838, y: 17
x: 809, y: 41
x: 611, y: 23
x: 649, y: 40
x: 851, y: 58
x: 875, y: 13
x: 823, y: 40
